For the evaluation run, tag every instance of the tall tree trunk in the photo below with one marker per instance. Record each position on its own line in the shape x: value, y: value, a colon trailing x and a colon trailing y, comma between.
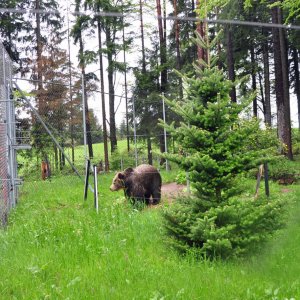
x: 201, y: 53
x: 39, y: 47
x: 111, y: 90
x: 163, y: 49
x: 149, y: 149
x: 253, y: 77
x: 282, y: 84
x: 61, y: 165
x: 297, y: 80
x: 105, y: 144
x: 142, y: 38
x: 194, y: 48
x: 230, y: 61
x: 143, y: 94
x: 163, y: 60
x: 87, y: 115
x: 63, y: 158
x: 177, y: 41
x: 125, y: 87
x: 165, y: 21
x: 56, y: 157
x: 71, y: 123
x: 219, y: 47
x: 266, y: 63
x: 262, y: 92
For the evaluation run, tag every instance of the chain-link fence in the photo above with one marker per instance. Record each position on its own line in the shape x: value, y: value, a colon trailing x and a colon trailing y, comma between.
x: 64, y: 130
x: 8, y: 146
x: 46, y: 120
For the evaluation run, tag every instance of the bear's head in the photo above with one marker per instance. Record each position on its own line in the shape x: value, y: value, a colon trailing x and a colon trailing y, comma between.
x: 119, y: 180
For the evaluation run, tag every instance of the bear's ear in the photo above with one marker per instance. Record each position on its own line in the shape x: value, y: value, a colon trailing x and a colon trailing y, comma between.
x: 128, y: 171
x: 121, y: 175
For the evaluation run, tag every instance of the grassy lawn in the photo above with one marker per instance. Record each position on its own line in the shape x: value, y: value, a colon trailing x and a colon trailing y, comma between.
x: 57, y: 247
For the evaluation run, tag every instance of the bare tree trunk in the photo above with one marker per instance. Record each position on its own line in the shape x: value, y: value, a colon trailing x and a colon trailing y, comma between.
x: 111, y: 90
x: 71, y: 123
x: 56, y: 158
x: 230, y: 61
x: 163, y: 49
x: 105, y: 144
x: 281, y: 84
x: 149, y: 149
x: 201, y: 53
x: 142, y: 37
x: 39, y: 47
x: 267, y: 102
x: 163, y: 60
x: 262, y: 92
x: 253, y: 77
x: 286, y: 86
x: 126, y: 87
x: 87, y: 115
x: 143, y: 94
x: 177, y: 41
x: 297, y: 80
x: 194, y: 53
x: 39, y: 72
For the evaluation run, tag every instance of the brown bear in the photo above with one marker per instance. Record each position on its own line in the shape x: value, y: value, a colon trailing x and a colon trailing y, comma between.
x: 139, y: 184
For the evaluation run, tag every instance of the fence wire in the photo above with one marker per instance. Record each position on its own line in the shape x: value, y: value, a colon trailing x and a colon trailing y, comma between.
x: 8, y: 163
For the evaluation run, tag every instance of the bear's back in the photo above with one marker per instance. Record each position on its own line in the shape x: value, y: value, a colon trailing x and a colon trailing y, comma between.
x: 148, y: 176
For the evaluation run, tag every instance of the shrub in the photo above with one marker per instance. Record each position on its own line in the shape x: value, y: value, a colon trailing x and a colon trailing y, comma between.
x: 283, y: 169
x: 296, y: 141
x: 231, y: 228
x: 119, y: 161
x: 181, y: 177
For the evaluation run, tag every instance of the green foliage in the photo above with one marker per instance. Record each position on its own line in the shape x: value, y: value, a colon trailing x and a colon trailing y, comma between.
x: 181, y: 177
x: 216, y: 146
x: 231, y: 228
x: 283, y: 168
x: 121, y: 160
x: 296, y: 140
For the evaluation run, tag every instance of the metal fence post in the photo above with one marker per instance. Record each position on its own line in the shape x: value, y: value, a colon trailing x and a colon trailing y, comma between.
x: 134, y: 132
x: 165, y: 132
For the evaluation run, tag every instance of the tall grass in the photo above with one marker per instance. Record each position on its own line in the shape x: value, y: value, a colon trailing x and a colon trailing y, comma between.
x: 57, y: 247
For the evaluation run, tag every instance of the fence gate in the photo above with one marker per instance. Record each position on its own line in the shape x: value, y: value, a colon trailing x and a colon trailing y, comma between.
x: 8, y: 147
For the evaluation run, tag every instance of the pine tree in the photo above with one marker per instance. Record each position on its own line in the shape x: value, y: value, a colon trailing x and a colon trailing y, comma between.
x: 216, y: 145
x: 212, y: 134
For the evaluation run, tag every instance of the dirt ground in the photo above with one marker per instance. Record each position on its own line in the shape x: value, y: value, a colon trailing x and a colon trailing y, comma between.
x: 171, y: 190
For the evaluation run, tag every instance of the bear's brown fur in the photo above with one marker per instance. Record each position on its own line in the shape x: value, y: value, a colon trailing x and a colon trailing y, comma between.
x: 139, y: 184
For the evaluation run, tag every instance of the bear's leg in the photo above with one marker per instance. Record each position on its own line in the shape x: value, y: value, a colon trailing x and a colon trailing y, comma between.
x: 147, y: 198
x: 156, y: 197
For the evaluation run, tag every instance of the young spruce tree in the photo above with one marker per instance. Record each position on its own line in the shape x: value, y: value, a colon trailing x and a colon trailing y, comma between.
x: 216, y: 145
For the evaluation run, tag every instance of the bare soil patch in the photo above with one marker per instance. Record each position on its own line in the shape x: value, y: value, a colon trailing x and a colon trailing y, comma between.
x: 171, y: 190
x: 286, y: 190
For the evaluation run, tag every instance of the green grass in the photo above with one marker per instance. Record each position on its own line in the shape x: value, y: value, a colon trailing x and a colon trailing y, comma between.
x: 57, y: 247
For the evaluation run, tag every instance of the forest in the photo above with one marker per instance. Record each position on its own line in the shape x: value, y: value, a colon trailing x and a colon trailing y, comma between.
x: 56, y: 48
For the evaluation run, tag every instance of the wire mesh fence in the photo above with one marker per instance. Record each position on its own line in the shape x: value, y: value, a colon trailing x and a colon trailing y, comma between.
x: 54, y: 123
x: 8, y: 147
